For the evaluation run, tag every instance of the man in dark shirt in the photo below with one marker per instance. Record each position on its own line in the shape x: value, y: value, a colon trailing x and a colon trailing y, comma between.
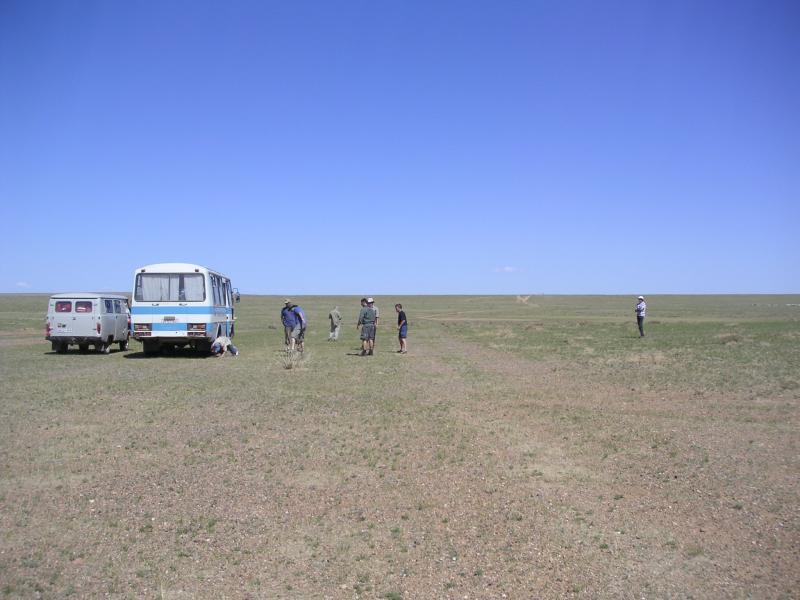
x: 402, y: 328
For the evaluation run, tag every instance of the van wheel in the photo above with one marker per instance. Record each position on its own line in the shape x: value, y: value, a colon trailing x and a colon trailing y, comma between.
x: 103, y: 348
x: 61, y: 348
x: 123, y: 345
x: 83, y: 347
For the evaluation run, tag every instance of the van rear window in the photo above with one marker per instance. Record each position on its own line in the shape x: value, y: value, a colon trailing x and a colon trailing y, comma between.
x: 63, y: 306
x: 83, y: 306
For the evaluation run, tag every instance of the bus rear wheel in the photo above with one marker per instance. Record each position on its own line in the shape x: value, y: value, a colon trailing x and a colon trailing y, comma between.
x: 150, y: 347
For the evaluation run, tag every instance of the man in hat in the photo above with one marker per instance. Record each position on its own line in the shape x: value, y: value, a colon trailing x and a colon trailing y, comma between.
x: 641, y: 310
x: 368, y: 321
x: 289, y: 320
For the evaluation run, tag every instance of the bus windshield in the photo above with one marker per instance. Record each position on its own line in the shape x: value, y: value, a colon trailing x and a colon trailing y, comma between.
x: 170, y: 287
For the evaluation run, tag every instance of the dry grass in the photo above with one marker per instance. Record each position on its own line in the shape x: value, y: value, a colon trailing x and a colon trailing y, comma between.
x: 572, y: 460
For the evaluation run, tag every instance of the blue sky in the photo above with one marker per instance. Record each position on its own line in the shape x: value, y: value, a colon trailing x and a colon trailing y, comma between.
x: 403, y: 146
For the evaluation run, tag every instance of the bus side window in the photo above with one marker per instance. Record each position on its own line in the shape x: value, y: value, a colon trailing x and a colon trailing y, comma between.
x: 217, y: 295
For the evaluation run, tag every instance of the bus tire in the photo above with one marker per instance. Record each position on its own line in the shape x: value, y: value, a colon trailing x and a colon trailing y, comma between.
x: 150, y: 347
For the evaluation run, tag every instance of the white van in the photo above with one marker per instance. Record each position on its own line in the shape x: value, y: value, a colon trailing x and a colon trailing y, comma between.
x: 88, y: 319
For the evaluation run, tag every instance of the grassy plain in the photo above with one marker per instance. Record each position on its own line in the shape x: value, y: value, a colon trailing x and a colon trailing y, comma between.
x: 537, y: 450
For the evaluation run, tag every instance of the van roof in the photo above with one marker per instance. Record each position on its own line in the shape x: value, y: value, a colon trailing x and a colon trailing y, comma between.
x: 89, y: 295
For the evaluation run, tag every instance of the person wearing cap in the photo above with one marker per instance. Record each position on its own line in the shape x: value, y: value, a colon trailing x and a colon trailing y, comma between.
x: 289, y: 320
x: 641, y: 309
x: 336, y: 321
x: 368, y: 321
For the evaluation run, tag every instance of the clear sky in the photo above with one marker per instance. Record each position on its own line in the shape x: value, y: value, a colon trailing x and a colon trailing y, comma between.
x: 372, y: 147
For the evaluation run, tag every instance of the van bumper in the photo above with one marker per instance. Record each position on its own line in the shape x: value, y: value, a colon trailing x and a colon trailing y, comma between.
x: 72, y: 339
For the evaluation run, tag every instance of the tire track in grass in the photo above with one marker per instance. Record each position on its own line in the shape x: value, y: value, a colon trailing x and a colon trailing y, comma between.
x: 665, y: 511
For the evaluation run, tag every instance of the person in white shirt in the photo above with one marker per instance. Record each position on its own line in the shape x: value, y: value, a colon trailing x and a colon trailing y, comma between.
x: 641, y: 309
x: 222, y: 345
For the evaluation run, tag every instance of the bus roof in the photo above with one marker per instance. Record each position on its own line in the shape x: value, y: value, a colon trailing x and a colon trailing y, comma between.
x: 175, y: 268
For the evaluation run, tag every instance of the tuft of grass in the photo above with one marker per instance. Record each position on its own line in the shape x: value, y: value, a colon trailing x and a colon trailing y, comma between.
x: 292, y: 359
x: 693, y: 551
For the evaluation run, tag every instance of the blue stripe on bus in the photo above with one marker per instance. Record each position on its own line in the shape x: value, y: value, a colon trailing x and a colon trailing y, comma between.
x: 180, y: 310
x: 169, y: 326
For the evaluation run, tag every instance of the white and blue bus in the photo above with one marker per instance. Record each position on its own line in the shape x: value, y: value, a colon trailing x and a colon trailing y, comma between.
x: 177, y: 304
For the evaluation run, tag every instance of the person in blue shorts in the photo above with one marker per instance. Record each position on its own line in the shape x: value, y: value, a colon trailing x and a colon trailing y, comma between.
x: 402, y: 329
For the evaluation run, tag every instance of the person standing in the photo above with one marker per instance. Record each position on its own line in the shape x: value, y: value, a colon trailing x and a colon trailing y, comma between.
x: 289, y: 320
x: 402, y: 328
x: 367, y: 321
x: 336, y: 321
x: 641, y: 310
x: 299, y: 332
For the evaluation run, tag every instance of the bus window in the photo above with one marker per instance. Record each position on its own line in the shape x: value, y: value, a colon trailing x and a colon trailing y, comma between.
x: 170, y: 287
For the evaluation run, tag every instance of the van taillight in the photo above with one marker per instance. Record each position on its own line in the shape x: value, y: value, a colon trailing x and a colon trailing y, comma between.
x: 47, y: 330
x: 98, y: 328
